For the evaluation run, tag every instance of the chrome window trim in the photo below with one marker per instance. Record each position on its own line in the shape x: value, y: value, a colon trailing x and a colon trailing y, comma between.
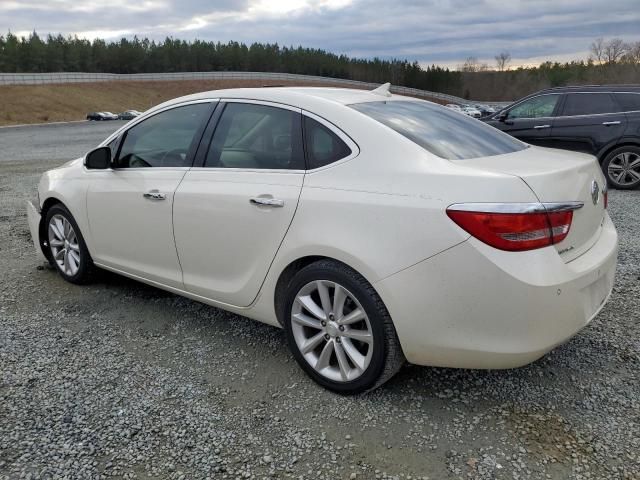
x: 266, y: 103
x: 279, y: 171
x: 132, y: 123
x: 533, y: 207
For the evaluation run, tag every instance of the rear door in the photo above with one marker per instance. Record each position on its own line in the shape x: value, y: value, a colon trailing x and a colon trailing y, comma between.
x: 589, y: 121
x: 532, y: 119
x: 233, y: 209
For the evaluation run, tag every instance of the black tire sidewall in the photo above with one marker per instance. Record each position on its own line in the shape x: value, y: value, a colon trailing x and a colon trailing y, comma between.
x: 377, y: 364
x: 86, y: 263
x: 605, y: 167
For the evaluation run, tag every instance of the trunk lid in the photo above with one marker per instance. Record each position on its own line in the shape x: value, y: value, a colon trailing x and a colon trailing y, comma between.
x: 558, y: 176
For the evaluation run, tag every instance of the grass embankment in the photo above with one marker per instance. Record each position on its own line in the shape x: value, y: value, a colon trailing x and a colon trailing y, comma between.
x: 21, y: 104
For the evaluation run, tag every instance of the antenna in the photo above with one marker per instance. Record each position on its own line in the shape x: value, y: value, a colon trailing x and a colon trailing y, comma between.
x: 383, y: 90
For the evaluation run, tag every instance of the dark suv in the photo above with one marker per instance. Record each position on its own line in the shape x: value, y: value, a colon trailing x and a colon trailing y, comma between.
x: 600, y: 120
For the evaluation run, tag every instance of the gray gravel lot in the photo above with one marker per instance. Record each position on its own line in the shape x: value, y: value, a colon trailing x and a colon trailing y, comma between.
x: 119, y: 379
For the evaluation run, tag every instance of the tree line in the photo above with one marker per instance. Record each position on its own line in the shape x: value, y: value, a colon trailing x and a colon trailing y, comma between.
x: 611, y: 61
x: 73, y: 54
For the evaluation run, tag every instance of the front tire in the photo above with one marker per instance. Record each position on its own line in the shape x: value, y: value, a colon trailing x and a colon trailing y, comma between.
x: 338, y: 329
x: 68, y: 251
x: 622, y: 168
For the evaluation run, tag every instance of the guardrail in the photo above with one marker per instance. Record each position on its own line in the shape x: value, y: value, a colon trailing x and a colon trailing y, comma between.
x: 81, y: 77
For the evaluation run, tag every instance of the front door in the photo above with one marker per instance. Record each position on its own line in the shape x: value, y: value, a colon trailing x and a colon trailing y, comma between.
x: 531, y: 120
x: 232, y: 212
x: 130, y: 206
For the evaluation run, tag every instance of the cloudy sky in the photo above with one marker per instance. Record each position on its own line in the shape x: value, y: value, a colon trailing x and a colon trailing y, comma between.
x: 444, y: 32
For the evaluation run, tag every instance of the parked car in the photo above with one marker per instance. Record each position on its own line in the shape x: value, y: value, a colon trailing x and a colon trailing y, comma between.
x: 471, y: 111
x: 600, y: 120
x: 129, y: 115
x: 102, y: 116
x: 372, y: 227
x: 485, y: 109
x: 453, y: 106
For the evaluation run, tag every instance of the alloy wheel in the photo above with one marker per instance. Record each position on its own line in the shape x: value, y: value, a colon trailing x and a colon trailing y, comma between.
x: 64, y: 245
x: 332, y: 331
x: 624, y: 168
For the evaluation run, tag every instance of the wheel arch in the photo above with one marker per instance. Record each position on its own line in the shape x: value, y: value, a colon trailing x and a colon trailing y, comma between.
x: 290, y: 270
x: 602, y: 155
x: 42, y: 227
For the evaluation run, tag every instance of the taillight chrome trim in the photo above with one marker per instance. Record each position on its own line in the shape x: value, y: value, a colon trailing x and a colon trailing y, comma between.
x: 533, y: 207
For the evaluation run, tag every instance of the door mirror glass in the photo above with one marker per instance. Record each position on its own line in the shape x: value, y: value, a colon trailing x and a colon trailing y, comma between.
x: 98, y: 159
x: 503, y: 116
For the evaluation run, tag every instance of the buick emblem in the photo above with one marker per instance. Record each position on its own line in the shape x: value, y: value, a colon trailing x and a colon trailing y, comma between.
x: 595, y: 192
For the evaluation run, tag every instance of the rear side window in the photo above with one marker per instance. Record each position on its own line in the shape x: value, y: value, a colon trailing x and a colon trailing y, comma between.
x: 441, y: 131
x: 629, y: 102
x: 588, y: 104
x: 323, y: 146
x: 256, y: 136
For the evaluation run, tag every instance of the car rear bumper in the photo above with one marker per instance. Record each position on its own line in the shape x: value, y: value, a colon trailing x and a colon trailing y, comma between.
x: 33, y: 218
x: 473, y: 306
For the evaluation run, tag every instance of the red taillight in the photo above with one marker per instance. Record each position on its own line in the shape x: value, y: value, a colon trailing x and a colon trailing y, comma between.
x: 514, y: 232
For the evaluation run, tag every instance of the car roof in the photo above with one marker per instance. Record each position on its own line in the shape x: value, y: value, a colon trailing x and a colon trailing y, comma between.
x: 594, y: 88
x: 302, y: 97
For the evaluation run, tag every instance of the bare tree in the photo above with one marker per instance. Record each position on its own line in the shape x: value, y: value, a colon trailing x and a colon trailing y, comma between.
x: 632, y: 54
x: 503, y: 59
x: 470, y: 65
x: 614, y: 50
x: 597, y: 48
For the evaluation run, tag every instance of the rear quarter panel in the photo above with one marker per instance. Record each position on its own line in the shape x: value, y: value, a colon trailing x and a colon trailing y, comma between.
x: 384, y: 210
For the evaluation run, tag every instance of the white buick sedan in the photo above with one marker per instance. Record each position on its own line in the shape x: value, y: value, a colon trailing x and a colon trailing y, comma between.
x: 375, y: 228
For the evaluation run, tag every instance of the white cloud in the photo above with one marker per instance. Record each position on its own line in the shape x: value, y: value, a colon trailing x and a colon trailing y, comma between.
x: 429, y: 31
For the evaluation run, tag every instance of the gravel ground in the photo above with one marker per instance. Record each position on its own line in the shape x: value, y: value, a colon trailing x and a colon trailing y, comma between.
x: 119, y: 379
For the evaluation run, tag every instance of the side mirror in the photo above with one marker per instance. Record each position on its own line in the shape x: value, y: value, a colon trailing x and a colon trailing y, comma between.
x: 98, y: 159
x: 503, y: 116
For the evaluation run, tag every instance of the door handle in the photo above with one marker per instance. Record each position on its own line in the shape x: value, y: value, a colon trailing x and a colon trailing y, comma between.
x: 617, y: 122
x: 154, y: 195
x: 540, y: 127
x: 268, y: 202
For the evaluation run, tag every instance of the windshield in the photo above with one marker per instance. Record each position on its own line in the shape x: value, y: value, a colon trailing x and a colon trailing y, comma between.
x: 441, y: 131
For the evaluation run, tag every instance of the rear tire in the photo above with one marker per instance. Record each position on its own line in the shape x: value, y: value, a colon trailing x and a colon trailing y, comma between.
x: 68, y: 251
x: 622, y: 168
x: 346, y: 343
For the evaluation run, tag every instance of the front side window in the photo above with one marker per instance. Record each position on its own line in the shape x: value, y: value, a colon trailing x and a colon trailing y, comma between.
x: 323, y: 146
x: 629, y: 102
x: 588, y: 104
x: 537, y: 107
x: 162, y: 140
x: 441, y: 131
x: 256, y: 137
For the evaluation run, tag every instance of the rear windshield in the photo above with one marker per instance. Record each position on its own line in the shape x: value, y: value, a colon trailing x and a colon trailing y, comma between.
x: 441, y: 131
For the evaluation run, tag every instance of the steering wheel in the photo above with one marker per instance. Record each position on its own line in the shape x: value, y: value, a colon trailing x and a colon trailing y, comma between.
x: 137, y: 162
x: 177, y: 152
